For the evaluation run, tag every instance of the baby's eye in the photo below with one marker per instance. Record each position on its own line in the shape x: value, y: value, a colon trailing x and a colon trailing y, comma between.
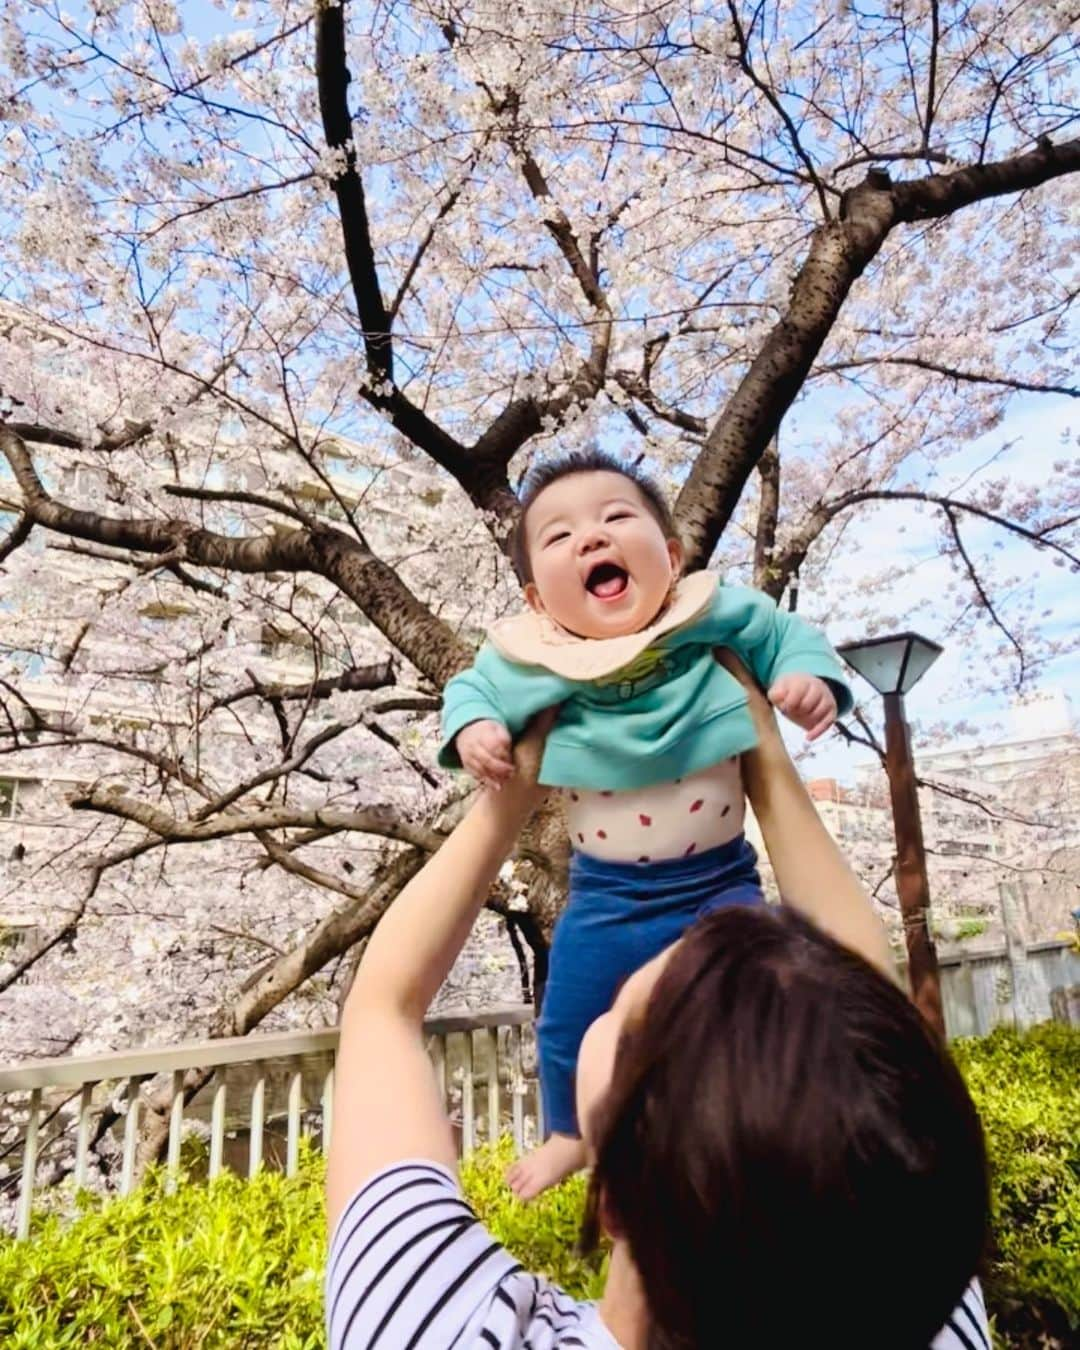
x: 555, y: 538
x: 620, y: 515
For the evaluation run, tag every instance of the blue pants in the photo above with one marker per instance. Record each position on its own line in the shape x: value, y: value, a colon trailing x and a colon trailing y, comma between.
x: 618, y: 917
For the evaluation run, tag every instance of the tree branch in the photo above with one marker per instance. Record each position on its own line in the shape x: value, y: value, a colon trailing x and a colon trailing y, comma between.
x: 480, y: 472
x: 425, y: 640
x: 328, y: 939
x: 765, y: 575
x: 839, y: 252
x: 523, y: 418
x: 17, y: 536
x: 382, y: 820
x: 388, y: 738
x: 332, y: 74
x: 66, y: 930
x: 42, y: 435
x: 637, y: 387
x: 281, y: 855
x: 891, y: 157
x: 165, y: 764
x: 348, y: 682
x: 950, y: 372
x: 770, y: 95
x: 931, y: 78
x: 980, y: 590
x: 940, y: 195
x: 272, y: 774
x: 246, y: 499
x: 130, y: 434
x: 824, y: 512
x: 1036, y: 537
x: 453, y: 194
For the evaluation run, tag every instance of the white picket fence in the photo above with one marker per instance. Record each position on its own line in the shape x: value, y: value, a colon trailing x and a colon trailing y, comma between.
x: 483, y: 1064
x: 480, y: 1064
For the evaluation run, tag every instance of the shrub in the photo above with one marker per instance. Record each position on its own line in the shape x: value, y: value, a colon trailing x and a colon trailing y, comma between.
x: 542, y: 1234
x: 239, y: 1264
x: 970, y: 927
x: 229, y: 1265
x: 1028, y: 1092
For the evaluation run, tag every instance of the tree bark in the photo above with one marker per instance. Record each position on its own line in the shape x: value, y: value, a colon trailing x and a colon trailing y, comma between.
x: 765, y: 576
x: 381, y: 820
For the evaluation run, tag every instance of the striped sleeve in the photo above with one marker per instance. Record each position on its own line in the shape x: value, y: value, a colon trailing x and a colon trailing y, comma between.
x: 967, y: 1328
x: 409, y: 1264
x: 410, y: 1267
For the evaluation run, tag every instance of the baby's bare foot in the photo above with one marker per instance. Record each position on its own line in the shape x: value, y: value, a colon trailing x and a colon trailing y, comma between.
x: 557, y: 1158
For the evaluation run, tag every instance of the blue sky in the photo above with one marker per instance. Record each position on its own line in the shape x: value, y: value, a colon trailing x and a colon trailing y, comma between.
x: 1044, y: 430
x: 1036, y: 423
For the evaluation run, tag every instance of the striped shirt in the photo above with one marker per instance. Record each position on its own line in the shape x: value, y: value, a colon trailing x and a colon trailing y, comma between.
x: 411, y: 1267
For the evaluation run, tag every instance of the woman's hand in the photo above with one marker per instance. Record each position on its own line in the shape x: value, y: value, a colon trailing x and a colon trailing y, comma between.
x: 522, y: 791
x: 770, y: 754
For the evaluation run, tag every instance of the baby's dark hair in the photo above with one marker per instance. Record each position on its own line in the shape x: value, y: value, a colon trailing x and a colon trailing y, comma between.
x: 583, y: 461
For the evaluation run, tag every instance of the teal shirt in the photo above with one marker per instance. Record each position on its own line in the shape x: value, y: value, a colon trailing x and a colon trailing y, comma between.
x: 672, y: 712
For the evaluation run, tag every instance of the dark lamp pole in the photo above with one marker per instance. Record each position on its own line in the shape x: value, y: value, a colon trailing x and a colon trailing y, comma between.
x: 894, y: 665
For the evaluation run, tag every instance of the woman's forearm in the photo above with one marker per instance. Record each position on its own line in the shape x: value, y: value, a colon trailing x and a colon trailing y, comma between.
x: 811, y: 873
x: 417, y: 941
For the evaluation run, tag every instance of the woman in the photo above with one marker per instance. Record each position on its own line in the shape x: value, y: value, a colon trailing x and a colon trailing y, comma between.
x: 782, y: 1151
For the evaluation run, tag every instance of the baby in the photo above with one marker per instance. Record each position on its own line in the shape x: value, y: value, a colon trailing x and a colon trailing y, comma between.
x: 646, y: 746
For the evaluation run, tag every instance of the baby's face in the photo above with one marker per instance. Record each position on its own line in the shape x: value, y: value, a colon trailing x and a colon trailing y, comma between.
x: 600, y: 562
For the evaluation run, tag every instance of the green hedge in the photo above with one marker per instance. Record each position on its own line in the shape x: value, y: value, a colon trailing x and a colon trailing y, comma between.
x: 1028, y: 1092
x: 239, y: 1265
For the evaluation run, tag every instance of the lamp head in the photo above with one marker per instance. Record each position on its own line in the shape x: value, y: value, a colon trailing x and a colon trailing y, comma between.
x: 894, y: 664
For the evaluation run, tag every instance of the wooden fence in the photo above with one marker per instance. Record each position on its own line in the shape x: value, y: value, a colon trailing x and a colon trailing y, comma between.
x: 51, y: 1106
x: 277, y: 1087
x: 1001, y: 986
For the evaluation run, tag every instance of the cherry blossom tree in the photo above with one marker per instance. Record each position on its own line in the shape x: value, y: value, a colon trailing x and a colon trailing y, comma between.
x: 283, y: 277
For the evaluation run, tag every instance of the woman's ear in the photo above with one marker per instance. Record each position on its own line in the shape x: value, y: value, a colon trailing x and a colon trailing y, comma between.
x: 676, y: 556
x: 606, y: 1216
x: 532, y: 598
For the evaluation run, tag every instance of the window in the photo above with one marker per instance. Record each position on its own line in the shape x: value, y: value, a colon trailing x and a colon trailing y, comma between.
x: 324, y: 501
x: 957, y: 848
x: 340, y: 466
x: 30, y: 664
x: 279, y: 646
x: 10, y: 803
x: 157, y: 616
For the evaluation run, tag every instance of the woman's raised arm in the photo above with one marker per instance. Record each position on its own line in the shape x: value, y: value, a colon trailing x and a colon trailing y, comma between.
x: 386, y: 1106
x: 811, y: 873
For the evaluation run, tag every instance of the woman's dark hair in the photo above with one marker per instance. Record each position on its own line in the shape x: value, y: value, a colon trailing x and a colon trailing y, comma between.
x: 582, y: 461
x: 788, y: 1149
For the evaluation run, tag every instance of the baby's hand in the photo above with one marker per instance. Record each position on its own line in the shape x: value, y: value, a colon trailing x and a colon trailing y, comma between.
x: 806, y: 701
x: 485, y: 750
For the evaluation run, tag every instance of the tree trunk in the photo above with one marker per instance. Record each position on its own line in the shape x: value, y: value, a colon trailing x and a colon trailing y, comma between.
x: 765, y: 577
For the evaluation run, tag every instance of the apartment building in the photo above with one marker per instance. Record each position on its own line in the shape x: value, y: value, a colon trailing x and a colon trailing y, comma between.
x: 1004, y: 808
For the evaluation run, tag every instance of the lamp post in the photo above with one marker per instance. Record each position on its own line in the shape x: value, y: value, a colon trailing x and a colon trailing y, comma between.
x: 894, y: 665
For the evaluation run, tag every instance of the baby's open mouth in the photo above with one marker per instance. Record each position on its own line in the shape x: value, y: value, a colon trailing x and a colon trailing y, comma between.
x: 607, y: 581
